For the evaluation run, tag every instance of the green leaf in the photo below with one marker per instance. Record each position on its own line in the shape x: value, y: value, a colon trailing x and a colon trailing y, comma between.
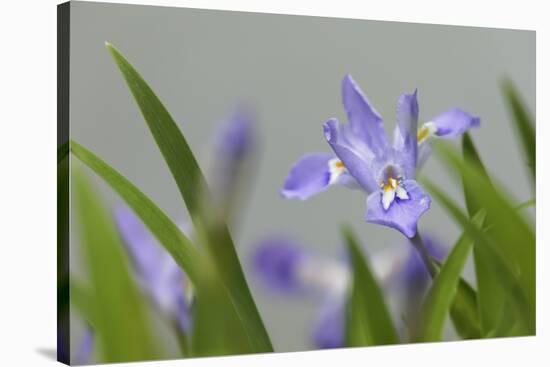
x: 120, y: 316
x: 526, y: 204
x: 209, y: 228
x: 218, y: 327
x: 490, y: 292
x: 189, y: 259
x: 170, y: 140
x: 82, y: 298
x: 160, y: 225
x: 510, y: 233
x: 443, y: 289
x: 524, y: 124
x: 509, y: 278
x: 464, y: 309
x: 369, y: 322
x: 471, y: 155
x: 464, y: 312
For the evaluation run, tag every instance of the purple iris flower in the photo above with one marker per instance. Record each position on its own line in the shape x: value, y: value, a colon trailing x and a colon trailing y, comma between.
x: 284, y: 266
x: 364, y: 159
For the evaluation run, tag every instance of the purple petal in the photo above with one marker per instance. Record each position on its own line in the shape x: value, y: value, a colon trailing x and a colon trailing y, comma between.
x: 307, y: 177
x: 358, y: 159
x: 405, y: 140
x: 276, y: 261
x: 86, y: 347
x: 157, y: 272
x: 454, y: 122
x: 402, y: 214
x: 141, y: 244
x: 364, y: 121
x: 236, y: 137
x: 233, y: 151
x: 329, y: 327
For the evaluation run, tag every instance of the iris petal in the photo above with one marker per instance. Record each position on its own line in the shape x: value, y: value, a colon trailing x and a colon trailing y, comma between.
x: 402, y: 214
x: 405, y: 134
x: 359, y: 161
x: 365, y: 122
x: 312, y: 175
x: 454, y: 122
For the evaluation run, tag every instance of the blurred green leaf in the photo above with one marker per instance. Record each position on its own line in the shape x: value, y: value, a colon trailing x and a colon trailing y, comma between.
x: 82, y: 298
x: 218, y: 328
x: 120, y: 317
x: 464, y: 312
x: 526, y: 204
x: 464, y: 309
x: 524, y: 124
x: 443, y: 289
x: 160, y: 225
x: 218, y: 323
x: 368, y: 321
x: 490, y: 292
x: 507, y: 324
x: 509, y: 278
x: 209, y: 229
x: 471, y: 155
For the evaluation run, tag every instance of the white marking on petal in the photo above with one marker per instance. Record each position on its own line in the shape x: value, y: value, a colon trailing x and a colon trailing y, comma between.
x: 387, y: 197
x: 336, y: 168
x: 425, y: 132
x: 401, y: 193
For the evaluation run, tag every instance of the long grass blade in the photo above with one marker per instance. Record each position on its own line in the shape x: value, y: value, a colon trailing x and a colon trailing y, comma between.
x: 510, y: 279
x: 443, y: 289
x: 121, y: 320
x: 160, y: 225
x: 524, y: 125
x: 369, y: 322
x: 209, y: 229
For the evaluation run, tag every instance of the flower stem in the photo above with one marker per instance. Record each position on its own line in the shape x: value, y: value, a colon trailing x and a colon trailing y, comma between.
x: 418, y: 244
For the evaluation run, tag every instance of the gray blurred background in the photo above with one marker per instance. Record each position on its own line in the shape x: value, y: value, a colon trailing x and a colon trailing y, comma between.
x: 202, y: 63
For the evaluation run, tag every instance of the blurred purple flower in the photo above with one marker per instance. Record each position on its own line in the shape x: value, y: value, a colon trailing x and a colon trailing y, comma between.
x: 157, y: 273
x: 329, y: 328
x: 236, y: 137
x: 233, y: 150
x: 277, y: 262
x: 286, y: 267
x: 364, y: 158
